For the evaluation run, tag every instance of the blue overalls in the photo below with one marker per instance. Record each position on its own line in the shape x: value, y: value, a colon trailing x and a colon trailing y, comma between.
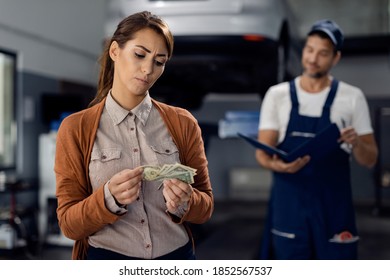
x: 309, y: 209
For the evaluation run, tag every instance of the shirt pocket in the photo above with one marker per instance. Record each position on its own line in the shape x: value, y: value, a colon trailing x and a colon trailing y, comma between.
x: 105, y: 155
x: 166, y: 152
x: 104, y: 164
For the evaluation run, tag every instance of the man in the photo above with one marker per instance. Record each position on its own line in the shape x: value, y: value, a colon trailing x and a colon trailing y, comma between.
x: 311, y: 212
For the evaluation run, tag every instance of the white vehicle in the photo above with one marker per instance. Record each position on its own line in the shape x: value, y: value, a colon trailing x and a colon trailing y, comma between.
x: 221, y: 46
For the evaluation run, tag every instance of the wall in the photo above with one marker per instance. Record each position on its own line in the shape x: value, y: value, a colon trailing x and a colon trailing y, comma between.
x: 370, y: 72
x: 54, y: 38
x: 55, y: 41
x: 356, y: 17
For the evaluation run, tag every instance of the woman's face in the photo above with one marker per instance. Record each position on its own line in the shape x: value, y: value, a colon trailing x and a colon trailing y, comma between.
x: 137, y: 66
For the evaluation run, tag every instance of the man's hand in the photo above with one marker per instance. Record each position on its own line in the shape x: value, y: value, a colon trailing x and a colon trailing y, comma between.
x: 279, y: 165
x: 348, y: 135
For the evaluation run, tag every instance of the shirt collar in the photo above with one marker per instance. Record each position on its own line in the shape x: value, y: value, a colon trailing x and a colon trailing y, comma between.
x: 142, y: 110
x: 118, y: 113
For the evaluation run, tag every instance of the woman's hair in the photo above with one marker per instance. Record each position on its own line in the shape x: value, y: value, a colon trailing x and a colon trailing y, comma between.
x: 125, y: 31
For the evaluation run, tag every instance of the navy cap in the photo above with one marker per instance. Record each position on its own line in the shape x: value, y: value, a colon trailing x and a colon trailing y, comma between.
x: 331, y: 29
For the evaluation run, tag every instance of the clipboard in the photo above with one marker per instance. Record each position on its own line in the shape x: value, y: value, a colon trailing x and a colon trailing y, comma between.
x: 316, y: 147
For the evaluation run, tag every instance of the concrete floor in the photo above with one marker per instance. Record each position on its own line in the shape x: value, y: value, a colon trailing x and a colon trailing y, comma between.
x: 234, y: 233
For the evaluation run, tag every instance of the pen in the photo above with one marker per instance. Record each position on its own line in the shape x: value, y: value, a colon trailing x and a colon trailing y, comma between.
x: 343, y: 124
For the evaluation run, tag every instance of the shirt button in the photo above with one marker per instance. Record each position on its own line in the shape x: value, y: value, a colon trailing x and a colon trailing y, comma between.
x: 167, y: 151
x: 135, y: 150
x: 142, y: 221
x: 148, y: 246
x: 132, y: 128
x: 104, y: 157
x: 130, y: 114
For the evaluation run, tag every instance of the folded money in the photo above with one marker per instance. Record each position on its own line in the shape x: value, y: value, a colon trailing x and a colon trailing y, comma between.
x: 169, y: 171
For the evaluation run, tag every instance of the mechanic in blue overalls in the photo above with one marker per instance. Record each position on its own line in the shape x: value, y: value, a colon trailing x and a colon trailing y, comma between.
x: 310, y: 214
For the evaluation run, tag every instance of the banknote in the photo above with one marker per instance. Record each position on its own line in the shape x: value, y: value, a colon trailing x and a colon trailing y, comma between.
x: 169, y: 171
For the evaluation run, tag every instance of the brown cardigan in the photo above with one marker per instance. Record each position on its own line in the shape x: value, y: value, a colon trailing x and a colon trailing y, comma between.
x: 80, y: 211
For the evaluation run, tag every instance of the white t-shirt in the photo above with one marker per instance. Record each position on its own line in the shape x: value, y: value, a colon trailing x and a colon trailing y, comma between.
x: 349, y: 107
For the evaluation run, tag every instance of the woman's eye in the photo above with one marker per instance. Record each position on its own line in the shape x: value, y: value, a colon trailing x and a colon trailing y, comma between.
x: 139, y: 55
x: 159, y: 63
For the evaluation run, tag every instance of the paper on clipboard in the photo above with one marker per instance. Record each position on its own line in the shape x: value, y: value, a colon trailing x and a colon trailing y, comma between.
x: 321, y: 144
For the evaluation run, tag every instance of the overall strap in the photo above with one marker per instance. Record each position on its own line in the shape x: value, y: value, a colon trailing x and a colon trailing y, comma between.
x: 330, y: 98
x: 294, y: 97
x: 328, y: 102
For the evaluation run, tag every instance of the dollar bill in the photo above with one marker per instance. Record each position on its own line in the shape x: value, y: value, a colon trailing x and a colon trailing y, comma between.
x: 169, y: 171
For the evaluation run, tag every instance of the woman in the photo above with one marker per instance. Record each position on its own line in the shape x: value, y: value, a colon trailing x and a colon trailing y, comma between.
x: 103, y: 203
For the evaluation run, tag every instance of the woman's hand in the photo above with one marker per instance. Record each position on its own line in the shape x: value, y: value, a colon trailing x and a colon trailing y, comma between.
x: 126, y: 185
x: 176, y: 193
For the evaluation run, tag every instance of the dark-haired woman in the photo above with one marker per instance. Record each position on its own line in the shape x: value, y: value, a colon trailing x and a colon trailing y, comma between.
x: 103, y: 203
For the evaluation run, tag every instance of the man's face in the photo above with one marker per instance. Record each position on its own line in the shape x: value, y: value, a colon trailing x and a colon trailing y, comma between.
x: 318, y: 56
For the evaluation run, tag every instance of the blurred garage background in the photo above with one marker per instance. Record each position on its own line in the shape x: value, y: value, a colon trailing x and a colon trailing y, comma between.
x: 48, y: 67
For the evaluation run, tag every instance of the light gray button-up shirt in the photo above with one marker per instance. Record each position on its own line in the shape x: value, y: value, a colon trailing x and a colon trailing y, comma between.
x: 126, y: 140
